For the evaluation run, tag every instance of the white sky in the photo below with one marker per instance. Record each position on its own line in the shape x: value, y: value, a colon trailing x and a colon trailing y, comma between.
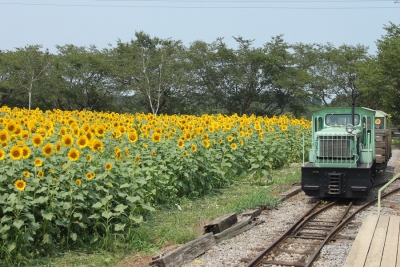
x: 98, y: 22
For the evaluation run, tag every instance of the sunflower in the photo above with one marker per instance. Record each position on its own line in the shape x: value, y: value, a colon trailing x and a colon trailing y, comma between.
x: 284, y: 127
x: 2, y: 154
x: 20, y: 185
x: 206, y: 143
x: 233, y: 146
x: 37, y: 140
x: 181, y: 143
x: 24, y: 135
x: 48, y: 150
x: 194, y: 148
x: 153, y: 153
x: 137, y: 159
x: 40, y: 173
x: 58, y: 147
x: 78, y: 182
x: 26, y: 174
x: 82, y: 141
x: 26, y: 152
x: 100, y: 131
x: 89, y: 157
x: 89, y: 135
x: 3, y: 136
x: 184, y: 153
x: 156, y: 137
x: 67, y: 140
x: 118, y: 155
x: 116, y: 134
x: 73, y: 154
x: 90, y: 175
x: 11, y: 126
x: 132, y: 136
x: 16, y: 153
x: 38, y: 162
x: 108, y: 166
x: 97, y: 145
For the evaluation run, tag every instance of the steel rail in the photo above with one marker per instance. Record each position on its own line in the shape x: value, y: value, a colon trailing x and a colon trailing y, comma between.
x: 304, y: 219
x: 342, y: 224
x: 307, y: 217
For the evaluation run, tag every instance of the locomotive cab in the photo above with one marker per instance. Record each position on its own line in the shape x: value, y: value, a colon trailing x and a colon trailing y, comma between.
x: 342, y: 160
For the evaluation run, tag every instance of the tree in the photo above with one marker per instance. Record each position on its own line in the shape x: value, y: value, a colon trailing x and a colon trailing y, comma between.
x: 382, y: 77
x: 9, y: 92
x: 284, y: 80
x: 29, y: 66
x: 84, y: 79
x: 151, y: 68
x: 345, y: 62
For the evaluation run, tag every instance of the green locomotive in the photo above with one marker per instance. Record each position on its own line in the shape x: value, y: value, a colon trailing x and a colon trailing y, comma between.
x: 349, y: 145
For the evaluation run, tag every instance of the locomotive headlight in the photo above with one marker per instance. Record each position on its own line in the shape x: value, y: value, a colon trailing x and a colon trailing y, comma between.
x: 349, y: 128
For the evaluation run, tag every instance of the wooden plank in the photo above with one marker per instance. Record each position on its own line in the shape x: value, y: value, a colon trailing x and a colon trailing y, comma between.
x: 235, y: 230
x: 380, y: 144
x: 380, y: 151
x: 374, y: 256
x: 289, y: 193
x: 360, y: 248
x: 221, y: 223
x: 185, y: 253
x: 392, y: 241
x: 252, y: 213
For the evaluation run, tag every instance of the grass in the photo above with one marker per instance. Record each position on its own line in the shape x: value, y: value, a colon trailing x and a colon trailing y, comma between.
x: 179, y: 222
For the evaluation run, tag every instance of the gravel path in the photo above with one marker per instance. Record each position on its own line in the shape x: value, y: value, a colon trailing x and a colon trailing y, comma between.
x: 277, y: 221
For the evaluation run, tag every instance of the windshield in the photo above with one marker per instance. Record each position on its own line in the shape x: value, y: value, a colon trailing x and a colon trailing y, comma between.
x: 341, y: 119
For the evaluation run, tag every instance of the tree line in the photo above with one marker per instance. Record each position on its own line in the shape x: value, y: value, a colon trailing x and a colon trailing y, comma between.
x: 163, y: 76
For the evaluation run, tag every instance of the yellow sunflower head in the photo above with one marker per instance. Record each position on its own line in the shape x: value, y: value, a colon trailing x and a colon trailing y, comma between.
x: 90, y: 175
x: 58, y: 147
x: 108, y: 166
x: 48, y: 150
x: 82, y: 141
x: 67, y: 140
x: 233, y: 146
x: 2, y: 154
x: 20, y: 185
x: 3, y: 136
x: 156, y: 137
x: 97, y: 145
x: 37, y: 140
x: 26, y: 174
x: 194, y: 148
x: 73, y: 154
x: 181, y: 143
x: 78, y: 182
x: 26, y: 152
x: 132, y: 136
x: 16, y: 153
x: 38, y: 162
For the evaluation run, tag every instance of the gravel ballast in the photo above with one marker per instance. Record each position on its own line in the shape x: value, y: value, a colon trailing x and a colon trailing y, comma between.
x: 276, y: 221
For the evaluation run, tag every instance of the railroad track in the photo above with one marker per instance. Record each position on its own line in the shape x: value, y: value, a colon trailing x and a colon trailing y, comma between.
x: 300, y: 245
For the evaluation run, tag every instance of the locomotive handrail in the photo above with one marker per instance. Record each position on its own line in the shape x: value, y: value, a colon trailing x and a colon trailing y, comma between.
x: 383, y: 187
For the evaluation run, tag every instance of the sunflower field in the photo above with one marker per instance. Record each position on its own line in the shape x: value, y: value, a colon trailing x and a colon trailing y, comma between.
x: 77, y: 177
